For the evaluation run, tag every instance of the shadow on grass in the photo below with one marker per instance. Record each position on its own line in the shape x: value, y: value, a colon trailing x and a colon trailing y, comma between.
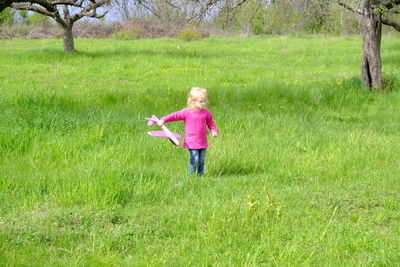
x: 335, y: 94
x: 353, y: 82
x: 394, y: 58
x: 56, y: 54
x: 390, y: 82
x: 235, y: 170
x: 168, y: 52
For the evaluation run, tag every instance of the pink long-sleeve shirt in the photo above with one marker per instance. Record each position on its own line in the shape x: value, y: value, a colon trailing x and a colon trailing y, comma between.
x: 196, y: 123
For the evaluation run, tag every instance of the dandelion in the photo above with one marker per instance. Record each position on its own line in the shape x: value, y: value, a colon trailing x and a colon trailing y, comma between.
x: 252, y: 202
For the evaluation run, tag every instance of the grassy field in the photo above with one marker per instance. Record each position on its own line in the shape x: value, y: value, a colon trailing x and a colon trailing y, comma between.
x: 305, y: 170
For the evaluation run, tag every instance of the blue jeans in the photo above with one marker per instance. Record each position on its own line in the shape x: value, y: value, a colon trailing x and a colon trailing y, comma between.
x: 197, y: 159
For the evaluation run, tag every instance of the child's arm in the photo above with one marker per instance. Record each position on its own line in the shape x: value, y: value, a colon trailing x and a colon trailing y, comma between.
x: 176, y: 116
x: 211, y: 125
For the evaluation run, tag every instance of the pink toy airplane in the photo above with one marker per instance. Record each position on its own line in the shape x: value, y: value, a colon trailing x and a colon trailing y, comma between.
x: 165, y: 133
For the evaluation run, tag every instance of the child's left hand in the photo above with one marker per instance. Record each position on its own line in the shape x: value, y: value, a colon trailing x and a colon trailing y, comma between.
x: 214, y: 134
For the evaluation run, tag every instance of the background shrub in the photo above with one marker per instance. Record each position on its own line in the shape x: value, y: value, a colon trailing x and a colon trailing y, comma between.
x: 133, y: 33
x: 37, y: 18
x: 189, y: 34
x: 6, y: 16
x: 121, y: 35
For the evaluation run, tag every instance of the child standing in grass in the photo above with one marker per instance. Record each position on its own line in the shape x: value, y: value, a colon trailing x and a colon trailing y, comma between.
x: 196, y: 119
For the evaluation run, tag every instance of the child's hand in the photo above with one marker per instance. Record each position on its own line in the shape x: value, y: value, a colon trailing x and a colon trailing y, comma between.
x: 160, y: 122
x: 214, y: 134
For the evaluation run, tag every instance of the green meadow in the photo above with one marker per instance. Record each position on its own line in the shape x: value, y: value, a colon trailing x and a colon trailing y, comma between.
x: 305, y: 171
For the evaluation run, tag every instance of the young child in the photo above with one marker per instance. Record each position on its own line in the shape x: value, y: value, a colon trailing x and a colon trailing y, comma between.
x: 196, y: 119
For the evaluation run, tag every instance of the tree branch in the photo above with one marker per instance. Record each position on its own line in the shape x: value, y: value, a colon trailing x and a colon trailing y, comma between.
x: 68, y: 2
x: 347, y: 6
x: 41, y: 10
x: 390, y: 22
x: 392, y: 4
x: 202, y: 10
x: 31, y: 7
x: 147, y: 6
x: 90, y: 11
x: 45, y: 4
x: 239, y: 4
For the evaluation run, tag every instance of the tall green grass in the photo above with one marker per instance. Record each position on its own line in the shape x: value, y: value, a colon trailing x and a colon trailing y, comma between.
x: 305, y: 170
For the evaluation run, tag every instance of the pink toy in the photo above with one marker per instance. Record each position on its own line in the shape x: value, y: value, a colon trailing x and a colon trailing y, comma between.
x: 165, y: 133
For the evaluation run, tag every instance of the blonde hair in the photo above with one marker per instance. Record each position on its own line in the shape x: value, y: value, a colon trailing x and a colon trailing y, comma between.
x: 196, y: 93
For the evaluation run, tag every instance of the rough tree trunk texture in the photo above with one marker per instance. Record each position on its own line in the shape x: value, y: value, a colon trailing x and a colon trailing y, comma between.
x: 68, y: 39
x: 371, y: 67
x: 68, y: 36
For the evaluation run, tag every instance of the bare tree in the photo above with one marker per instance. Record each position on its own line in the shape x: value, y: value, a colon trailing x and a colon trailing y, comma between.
x: 128, y: 9
x: 178, y: 12
x: 373, y: 14
x: 64, y: 12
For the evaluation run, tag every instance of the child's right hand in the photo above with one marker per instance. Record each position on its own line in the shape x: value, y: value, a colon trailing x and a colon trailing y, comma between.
x: 160, y: 122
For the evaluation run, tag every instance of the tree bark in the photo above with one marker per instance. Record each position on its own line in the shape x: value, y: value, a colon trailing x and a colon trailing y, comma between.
x: 68, y: 39
x: 371, y: 67
x: 68, y: 35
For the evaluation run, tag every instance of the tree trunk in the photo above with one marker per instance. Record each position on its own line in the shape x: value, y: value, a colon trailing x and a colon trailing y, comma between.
x: 371, y: 67
x: 68, y: 39
x: 68, y: 36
